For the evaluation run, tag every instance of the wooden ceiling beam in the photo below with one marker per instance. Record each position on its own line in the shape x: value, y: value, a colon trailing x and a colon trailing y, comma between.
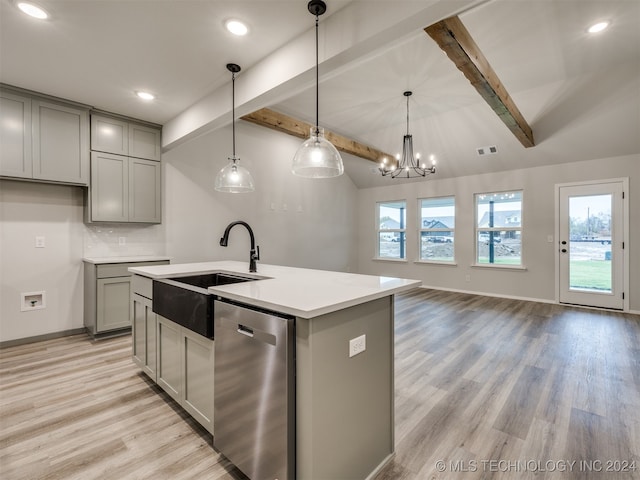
x: 456, y: 41
x: 292, y: 126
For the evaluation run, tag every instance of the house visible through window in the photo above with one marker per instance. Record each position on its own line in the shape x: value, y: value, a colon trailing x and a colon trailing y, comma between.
x: 499, y: 228
x: 437, y: 223
x: 392, y: 219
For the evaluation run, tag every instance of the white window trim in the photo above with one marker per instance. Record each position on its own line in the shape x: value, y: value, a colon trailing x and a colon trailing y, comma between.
x: 420, y: 230
x: 378, y: 231
x: 478, y: 230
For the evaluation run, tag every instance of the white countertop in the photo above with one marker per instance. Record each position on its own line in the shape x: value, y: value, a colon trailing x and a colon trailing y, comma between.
x: 301, y: 292
x: 131, y: 259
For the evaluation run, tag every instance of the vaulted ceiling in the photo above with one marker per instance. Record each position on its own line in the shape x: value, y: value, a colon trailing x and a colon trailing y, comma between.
x: 580, y: 93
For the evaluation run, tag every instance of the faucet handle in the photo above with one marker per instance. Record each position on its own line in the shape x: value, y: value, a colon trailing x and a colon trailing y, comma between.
x: 256, y: 254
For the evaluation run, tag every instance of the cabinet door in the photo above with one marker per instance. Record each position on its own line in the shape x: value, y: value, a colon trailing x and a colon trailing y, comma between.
x: 197, y: 369
x: 109, y: 188
x: 15, y: 135
x: 144, y: 142
x: 60, y: 143
x: 144, y: 326
x: 169, y: 364
x: 144, y: 191
x: 109, y: 135
x: 113, y: 303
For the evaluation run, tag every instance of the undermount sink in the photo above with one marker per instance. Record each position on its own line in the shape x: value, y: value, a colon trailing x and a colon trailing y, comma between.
x: 186, y: 301
x: 212, y: 279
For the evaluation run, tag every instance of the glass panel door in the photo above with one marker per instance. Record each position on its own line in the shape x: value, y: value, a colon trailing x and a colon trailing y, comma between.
x: 591, y: 253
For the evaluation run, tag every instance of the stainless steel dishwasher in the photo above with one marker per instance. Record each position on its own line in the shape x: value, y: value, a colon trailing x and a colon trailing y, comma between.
x: 254, y: 390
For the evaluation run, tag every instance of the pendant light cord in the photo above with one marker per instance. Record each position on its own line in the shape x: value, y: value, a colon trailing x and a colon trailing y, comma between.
x: 233, y: 112
x: 317, y: 83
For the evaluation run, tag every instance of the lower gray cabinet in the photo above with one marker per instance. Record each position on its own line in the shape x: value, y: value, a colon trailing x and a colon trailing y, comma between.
x: 113, y: 303
x: 144, y: 328
x: 185, y: 369
x: 107, y: 297
x: 169, y: 361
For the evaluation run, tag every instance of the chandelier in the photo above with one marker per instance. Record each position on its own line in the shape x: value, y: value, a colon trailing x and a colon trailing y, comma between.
x: 408, y: 165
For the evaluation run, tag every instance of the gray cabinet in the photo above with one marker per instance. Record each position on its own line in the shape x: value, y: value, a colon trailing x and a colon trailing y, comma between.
x: 107, y: 303
x: 121, y: 137
x: 185, y: 369
x: 144, y: 326
x: 60, y: 143
x: 177, y: 359
x: 124, y: 189
x: 15, y: 135
x: 43, y: 140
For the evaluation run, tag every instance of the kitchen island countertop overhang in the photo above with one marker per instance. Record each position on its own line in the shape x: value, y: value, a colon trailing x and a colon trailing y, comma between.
x: 303, y: 292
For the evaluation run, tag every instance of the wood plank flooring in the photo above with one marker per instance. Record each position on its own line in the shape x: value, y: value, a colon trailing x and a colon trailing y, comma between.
x: 486, y: 388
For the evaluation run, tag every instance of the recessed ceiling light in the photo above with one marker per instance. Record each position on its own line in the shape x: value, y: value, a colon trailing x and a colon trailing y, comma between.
x: 145, y: 95
x: 236, y: 27
x: 598, y: 27
x: 33, y: 10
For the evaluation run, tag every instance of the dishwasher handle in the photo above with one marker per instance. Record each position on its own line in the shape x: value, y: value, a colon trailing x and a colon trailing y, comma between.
x: 244, y: 330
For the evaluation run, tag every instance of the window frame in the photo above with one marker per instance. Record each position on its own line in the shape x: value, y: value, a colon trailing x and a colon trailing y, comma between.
x: 402, y: 231
x: 427, y: 230
x: 478, y: 230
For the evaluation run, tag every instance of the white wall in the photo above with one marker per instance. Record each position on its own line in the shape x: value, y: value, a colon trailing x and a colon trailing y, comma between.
x: 56, y: 212
x: 538, y: 184
x: 28, y: 210
x: 296, y: 221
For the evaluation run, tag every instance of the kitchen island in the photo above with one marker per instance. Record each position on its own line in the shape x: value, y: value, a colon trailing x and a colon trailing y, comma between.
x: 344, y: 424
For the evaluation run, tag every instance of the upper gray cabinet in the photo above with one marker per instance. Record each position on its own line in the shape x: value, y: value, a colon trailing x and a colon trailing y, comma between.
x: 125, y: 172
x: 120, y: 137
x: 60, y: 143
x: 15, y: 135
x: 43, y: 140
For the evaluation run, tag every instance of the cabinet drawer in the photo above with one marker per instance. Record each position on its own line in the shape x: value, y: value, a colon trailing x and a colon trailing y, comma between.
x: 113, y: 270
x: 142, y: 286
x: 109, y: 270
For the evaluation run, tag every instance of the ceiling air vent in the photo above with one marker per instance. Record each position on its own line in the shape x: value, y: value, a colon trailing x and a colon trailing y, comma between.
x: 491, y: 150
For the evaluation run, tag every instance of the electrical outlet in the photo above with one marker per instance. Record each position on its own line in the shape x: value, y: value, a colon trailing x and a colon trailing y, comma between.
x: 122, y: 241
x: 40, y: 243
x: 467, y: 278
x: 357, y: 345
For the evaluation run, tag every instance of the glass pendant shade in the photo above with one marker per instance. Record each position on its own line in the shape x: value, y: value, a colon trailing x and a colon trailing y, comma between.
x: 317, y: 157
x: 234, y: 178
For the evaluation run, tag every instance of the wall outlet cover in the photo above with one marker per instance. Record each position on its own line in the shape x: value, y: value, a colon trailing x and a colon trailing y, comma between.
x: 357, y: 345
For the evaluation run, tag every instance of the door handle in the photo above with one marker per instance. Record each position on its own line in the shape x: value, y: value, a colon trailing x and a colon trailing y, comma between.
x: 564, y: 250
x: 245, y: 330
x: 564, y: 242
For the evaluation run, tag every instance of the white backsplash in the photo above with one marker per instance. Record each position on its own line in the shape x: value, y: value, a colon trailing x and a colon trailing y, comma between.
x: 103, y: 240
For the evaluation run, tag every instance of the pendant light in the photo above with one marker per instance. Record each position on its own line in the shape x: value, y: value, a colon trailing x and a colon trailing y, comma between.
x: 408, y: 165
x: 317, y: 157
x: 233, y: 178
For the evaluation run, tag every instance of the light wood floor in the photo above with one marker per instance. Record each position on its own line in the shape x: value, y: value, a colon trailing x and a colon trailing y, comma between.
x: 494, y: 389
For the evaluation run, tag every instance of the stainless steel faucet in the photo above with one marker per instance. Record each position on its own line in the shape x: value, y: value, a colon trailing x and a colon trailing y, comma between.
x: 254, y: 254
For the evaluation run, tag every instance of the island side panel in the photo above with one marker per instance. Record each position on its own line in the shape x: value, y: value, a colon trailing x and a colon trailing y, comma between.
x: 344, y: 406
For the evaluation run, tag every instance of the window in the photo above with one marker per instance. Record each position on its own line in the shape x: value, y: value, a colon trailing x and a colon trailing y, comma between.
x: 437, y: 223
x: 499, y: 228
x: 391, y: 220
